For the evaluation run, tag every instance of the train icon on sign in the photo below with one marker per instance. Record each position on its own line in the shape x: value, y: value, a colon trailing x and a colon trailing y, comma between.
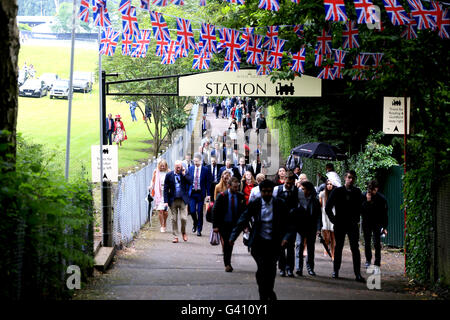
x: 281, y: 90
x: 396, y: 102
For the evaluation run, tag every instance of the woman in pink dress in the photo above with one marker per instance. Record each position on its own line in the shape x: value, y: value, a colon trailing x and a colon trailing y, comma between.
x: 119, y: 130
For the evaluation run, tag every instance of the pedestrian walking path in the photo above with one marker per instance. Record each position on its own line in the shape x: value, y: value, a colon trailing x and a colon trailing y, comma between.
x: 155, y: 268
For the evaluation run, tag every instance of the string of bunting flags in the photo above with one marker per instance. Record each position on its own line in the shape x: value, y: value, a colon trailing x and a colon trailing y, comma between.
x: 265, y: 52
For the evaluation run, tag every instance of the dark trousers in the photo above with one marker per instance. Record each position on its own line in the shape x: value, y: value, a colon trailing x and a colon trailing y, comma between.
x: 287, y: 257
x: 196, y: 209
x: 205, y: 108
x: 217, y: 112
x: 368, y: 231
x: 353, y: 236
x: 109, y: 135
x: 265, y: 253
x: 225, y: 232
x: 310, y: 237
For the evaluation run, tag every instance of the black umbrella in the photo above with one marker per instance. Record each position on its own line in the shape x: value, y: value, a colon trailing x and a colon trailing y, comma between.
x: 319, y: 150
x: 322, y: 241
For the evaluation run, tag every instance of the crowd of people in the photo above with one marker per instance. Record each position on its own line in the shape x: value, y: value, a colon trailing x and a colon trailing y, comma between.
x: 281, y: 217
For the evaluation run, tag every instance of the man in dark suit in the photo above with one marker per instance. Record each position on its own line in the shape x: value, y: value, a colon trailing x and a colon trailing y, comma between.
x: 229, y: 166
x: 247, y: 124
x: 109, y: 125
x: 176, y: 196
x: 213, y: 168
x: 198, y: 190
x: 307, y: 221
x: 217, y: 152
x: 261, y: 126
x: 269, y: 232
x: 227, y: 209
x: 242, y: 168
x: 347, y: 201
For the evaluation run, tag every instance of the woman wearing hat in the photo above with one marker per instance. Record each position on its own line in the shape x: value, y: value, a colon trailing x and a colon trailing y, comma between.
x: 119, y: 130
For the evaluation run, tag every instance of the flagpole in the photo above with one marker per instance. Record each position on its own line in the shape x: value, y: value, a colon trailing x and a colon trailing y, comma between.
x: 69, y: 112
x: 100, y: 95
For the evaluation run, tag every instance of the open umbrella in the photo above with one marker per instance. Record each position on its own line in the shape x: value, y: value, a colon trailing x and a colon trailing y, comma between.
x: 319, y: 150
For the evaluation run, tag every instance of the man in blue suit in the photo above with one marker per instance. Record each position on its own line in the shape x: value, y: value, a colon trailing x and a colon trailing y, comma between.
x: 176, y: 196
x: 199, y: 189
x: 109, y: 125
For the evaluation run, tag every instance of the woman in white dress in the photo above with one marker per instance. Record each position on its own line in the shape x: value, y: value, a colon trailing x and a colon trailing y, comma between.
x: 157, y: 191
x: 327, y: 228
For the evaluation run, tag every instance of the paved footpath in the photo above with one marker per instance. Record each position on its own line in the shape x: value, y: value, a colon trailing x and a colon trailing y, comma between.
x: 155, y: 268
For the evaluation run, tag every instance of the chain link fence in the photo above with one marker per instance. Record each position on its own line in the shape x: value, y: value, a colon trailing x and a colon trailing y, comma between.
x: 130, y: 205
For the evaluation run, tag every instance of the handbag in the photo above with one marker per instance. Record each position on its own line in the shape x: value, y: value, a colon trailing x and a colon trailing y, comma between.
x: 125, y: 138
x: 214, y: 238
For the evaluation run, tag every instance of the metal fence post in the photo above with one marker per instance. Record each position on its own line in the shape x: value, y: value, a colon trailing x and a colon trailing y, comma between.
x: 107, y: 215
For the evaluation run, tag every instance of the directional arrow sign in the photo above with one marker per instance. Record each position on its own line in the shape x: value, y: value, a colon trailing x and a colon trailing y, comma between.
x: 393, y: 115
x: 110, y: 163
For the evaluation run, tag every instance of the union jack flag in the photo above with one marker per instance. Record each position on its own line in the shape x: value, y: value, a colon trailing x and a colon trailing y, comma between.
x: 443, y: 22
x: 248, y: 32
x: 396, y: 12
x: 127, y: 42
x: 200, y: 61
x: 422, y: 16
x: 233, y: 45
x: 185, y: 36
x: 319, y: 58
x: 142, y: 43
x: 160, y: 3
x: 410, y: 31
x: 83, y: 14
x: 350, y: 35
x: 339, y: 64
x: 208, y: 38
x: 273, y: 5
x: 276, y: 54
x: 129, y: 21
x: 101, y: 15
x: 263, y: 66
x: 254, y: 49
x: 182, y: 52
x: 271, y: 37
x: 296, y: 1
x: 231, y: 66
x: 298, y: 60
x: 169, y: 56
x: 159, y: 26
x: 326, y: 73
x: 360, y: 67
x: 124, y: 5
x: 178, y: 2
x: 201, y: 50
x: 161, y: 45
x: 335, y: 10
x: 202, y: 3
x: 324, y: 42
x: 109, y: 40
x: 222, y: 39
x: 362, y: 11
x: 236, y: 1
x: 145, y: 4
x: 377, y: 63
x: 299, y: 30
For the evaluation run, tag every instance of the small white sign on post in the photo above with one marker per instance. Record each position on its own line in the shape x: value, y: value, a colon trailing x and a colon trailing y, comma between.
x: 393, y: 115
x: 110, y: 163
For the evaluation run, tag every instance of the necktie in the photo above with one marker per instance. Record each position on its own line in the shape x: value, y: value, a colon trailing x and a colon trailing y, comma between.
x: 196, y: 179
x: 233, y: 204
x: 204, y: 125
x: 214, y: 173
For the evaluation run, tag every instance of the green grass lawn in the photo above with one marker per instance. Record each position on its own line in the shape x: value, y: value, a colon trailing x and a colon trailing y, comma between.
x: 44, y: 120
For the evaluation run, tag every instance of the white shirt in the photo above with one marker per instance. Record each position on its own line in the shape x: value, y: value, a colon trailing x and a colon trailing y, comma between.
x: 266, y: 219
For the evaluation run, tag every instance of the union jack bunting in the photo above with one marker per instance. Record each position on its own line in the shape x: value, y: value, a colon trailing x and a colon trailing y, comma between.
x: 109, y: 40
x: 350, y: 35
x: 101, y: 15
x: 248, y: 32
x: 335, y: 10
x: 319, y: 58
x: 169, y: 56
x: 326, y: 73
x: 83, y: 14
x: 160, y: 3
x: 324, y: 42
x: 296, y: 1
x: 376, y: 63
x: 124, y: 5
x: 127, y: 43
x: 178, y: 2
x: 299, y: 30
x: 396, y: 12
x: 254, y: 49
x: 159, y: 26
x: 362, y: 11
x: 181, y: 52
x: 208, y: 38
x: 410, y: 31
x: 142, y: 43
x: 161, y: 45
x: 201, y: 50
x: 233, y: 45
x: 231, y: 66
x: 273, y: 5
x: 339, y: 64
x: 271, y: 37
x: 185, y: 36
x: 298, y: 61
x: 360, y: 67
x: 129, y: 20
x: 443, y: 24
x: 422, y: 16
x: 276, y: 54
x: 145, y: 4
x: 263, y: 66
x: 236, y: 1
x: 202, y: 3
x: 200, y: 61
x: 222, y: 39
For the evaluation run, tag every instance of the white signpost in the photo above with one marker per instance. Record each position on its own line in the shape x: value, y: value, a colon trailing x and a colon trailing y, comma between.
x: 393, y: 115
x: 110, y: 163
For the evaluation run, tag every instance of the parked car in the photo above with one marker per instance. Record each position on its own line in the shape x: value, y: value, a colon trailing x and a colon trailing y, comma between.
x: 49, y: 79
x: 33, y: 88
x: 60, y: 89
x: 82, y: 81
